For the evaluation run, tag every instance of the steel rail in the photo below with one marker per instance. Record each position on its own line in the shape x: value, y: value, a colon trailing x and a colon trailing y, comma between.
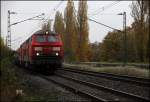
x: 136, y: 97
x: 94, y: 97
x: 135, y: 80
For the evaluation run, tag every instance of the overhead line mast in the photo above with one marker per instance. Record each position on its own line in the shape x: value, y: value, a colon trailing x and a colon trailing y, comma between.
x: 8, y: 37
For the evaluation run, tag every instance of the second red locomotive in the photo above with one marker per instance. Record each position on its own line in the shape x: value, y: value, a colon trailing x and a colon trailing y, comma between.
x: 42, y: 48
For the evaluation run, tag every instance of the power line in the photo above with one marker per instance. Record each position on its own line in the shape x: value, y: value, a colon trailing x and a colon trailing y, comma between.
x: 101, y: 8
x: 105, y: 8
x: 22, y: 38
x: 103, y: 24
x: 97, y: 22
x: 24, y: 13
x: 108, y: 14
x: 32, y: 18
x: 55, y: 8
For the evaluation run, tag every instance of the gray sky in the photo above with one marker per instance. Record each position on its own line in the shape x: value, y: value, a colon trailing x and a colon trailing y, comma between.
x: 27, y: 9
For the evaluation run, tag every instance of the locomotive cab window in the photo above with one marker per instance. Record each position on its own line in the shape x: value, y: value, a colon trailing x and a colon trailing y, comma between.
x: 40, y: 38
x: 53, y: 39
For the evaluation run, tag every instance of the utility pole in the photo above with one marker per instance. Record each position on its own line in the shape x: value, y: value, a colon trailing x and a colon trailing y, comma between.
x: 8, y: 37
x: 124, y: 39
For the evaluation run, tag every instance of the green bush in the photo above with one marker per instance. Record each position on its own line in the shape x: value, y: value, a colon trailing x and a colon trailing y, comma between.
x: 4, y: 50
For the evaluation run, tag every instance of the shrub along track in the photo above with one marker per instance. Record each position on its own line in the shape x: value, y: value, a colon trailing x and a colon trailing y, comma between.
x: 95, y: 91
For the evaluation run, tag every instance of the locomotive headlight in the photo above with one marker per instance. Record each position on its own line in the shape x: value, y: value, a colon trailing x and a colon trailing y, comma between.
x: 37, y: 54
x: 56, y: 48
x: 57, y: 54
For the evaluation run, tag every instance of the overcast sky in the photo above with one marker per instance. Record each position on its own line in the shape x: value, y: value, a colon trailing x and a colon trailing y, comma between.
x: 101, y: 11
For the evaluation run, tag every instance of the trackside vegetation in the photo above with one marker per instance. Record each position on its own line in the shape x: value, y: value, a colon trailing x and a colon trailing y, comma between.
x: 119, y: 70
x: 14, y: 87
x: 75, y: 32
x: 9, y: 80
x: 74, y: 29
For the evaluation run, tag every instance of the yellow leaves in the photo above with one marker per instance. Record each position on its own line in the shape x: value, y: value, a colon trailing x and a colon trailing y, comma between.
x: 74, y: 31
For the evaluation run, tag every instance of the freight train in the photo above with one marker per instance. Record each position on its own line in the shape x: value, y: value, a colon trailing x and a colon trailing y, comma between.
x: 42, y: 48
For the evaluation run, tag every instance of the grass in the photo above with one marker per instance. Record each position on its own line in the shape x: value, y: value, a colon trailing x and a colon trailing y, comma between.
x: 99, y: 64
x: 8, y: 79
x: 120, y: 70
x: 112, y: 62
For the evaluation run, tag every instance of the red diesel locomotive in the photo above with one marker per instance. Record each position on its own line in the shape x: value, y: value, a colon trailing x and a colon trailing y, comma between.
x: 42, y: 48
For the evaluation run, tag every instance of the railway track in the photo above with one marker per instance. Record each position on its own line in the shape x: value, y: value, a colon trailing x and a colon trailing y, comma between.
x: 75, y: 89
x: 129, y: 79
x: 94, y: 91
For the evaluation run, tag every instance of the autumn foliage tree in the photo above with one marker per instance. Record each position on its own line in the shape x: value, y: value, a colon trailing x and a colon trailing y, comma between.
x: 70, y: 37
x: 83, y: 40
x: 140, y: 13
x: 111, y: 49
x: 59, y: 26
x: 75, y: 31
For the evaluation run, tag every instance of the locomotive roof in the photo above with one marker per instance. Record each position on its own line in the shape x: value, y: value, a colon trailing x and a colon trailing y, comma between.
x: 40, y: 32
x: 44, y: 32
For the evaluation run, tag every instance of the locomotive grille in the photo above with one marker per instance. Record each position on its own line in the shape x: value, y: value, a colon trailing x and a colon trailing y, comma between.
x: 47, y: 58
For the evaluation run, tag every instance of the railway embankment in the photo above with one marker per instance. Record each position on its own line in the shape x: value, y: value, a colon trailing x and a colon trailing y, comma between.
x: 14, y: 86
x: 9, y: 80
x: 22, y: 85
x: 119, y: 69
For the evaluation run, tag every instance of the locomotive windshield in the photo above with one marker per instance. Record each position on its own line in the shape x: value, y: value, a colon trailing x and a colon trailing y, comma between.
x: 53, y: 39
x: 45, y: 38
x: 40, y: 38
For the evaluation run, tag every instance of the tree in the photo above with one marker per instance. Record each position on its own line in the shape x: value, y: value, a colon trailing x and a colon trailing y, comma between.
x: 111, y: 47
x: 70, y: 33
x: 141, y: 32
x: 94, y: 52
x: 83, y: 40
x: 4, y: 49
x: 59, y: 25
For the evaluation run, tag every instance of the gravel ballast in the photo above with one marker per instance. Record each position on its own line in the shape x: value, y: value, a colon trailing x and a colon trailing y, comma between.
x: 39, y: 89
x: 118, y: 85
